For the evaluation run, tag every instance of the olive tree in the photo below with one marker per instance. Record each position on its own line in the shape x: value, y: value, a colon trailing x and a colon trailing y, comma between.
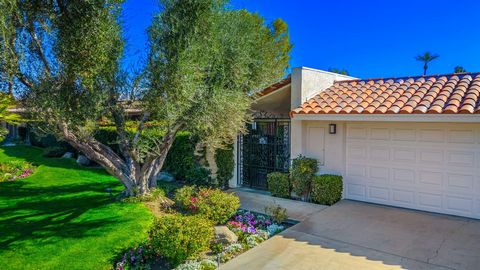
x: 204, y: 64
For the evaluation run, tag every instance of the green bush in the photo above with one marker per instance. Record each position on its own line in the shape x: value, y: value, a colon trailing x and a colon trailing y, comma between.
x: 216, y: 205
x: 183, y: 197
x: 277, y: 212
x: 302, y: 173
x: 179, y: 238
x: 279, y: 184
x: 327, y: 189
x: 225, y: 163
x: 181, y: 158
x: 54, y: 151
x: 199, y: 176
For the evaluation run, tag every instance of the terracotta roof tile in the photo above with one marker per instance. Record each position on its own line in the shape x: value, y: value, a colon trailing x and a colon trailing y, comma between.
x: 440, y: 94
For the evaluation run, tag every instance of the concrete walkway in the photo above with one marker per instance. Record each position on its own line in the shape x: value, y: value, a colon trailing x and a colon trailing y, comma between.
x: 355, y: 235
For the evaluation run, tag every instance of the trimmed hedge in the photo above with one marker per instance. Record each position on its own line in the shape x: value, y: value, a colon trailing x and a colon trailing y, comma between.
x: 327, y: 189
x: 178, y: 238
x: 302, y: 173
x: 225, y: 163
x: 279, y: 184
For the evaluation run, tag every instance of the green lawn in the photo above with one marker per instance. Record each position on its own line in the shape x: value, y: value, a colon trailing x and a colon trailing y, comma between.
x: 62, y: 218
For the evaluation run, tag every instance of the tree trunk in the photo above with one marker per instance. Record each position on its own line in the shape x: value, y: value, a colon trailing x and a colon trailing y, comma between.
x: 137, y: 180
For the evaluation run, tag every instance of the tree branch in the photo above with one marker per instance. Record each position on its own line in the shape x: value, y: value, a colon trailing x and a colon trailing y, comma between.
x: 38, y: 47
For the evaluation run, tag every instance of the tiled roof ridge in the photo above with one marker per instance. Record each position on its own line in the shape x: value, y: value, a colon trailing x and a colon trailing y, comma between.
x: 448, y: 75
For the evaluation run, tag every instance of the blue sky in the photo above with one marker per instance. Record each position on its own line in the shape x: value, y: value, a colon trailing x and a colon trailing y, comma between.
x: 368, y: 38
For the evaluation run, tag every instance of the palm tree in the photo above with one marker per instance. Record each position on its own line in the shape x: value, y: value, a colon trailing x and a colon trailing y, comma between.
x: 459, y: 69
x: 426, y: 58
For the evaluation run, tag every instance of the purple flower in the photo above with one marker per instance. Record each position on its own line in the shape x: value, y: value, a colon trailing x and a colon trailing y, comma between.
x: 268, y: 222
x: 251, y: 230
x: 238, y: 218
x: 132, y: 259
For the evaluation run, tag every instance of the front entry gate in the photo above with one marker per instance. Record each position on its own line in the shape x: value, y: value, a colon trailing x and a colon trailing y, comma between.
x: 264, y: 149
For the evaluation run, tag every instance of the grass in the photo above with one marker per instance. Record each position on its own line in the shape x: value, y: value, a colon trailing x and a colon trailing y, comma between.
x: 61, y: 217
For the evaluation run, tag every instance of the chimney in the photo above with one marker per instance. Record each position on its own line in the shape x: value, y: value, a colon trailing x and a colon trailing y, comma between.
x: 308, y: 82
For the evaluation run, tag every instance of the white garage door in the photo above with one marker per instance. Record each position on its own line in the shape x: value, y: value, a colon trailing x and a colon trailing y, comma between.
x: 431, y: 167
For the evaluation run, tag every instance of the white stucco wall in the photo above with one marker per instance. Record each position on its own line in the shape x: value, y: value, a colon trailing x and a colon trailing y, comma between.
x: 307, y: 82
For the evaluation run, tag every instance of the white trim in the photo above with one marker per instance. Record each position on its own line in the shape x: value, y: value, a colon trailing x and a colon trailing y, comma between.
x: 465, y: 118
x: 345, y: 77
x: 273, y: 92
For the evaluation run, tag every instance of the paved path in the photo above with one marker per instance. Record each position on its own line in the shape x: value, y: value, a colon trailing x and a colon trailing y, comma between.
x: 355, y: 235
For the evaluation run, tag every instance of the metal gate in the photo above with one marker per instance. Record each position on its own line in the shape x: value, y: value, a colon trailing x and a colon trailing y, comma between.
x: 264, y: 149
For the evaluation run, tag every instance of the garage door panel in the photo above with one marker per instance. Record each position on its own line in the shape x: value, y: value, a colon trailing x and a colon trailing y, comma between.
x: 465, y: 136
x: 379, y: 153
x: 432, y: 156
x: 461, y: 158
x: 382, y: 134
x: 404, y: 135
x: 431, y: 167
x: 402, y: 197
x: 432, y: 135
x: 355, y: 191
x: 378, y: 194
x: 404, y: 155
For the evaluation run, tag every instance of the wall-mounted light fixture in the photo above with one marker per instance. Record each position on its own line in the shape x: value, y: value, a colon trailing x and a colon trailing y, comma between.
x: 332, y: 129
x: 254, y: 125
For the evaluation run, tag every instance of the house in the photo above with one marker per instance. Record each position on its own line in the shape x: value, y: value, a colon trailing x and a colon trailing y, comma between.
x: 410, y: 142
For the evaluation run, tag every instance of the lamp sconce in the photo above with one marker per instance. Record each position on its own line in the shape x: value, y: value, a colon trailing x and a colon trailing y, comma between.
x: 254, y: 125
x: 332, y: 128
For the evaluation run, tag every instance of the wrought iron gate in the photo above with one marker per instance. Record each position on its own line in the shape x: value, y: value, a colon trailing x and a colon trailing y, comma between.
x: 265, y: 149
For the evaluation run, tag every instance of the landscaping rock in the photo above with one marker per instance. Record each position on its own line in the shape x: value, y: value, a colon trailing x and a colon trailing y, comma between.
x: 166, y: 177
x: 68, y: 155
x: 224, y: 235
x: 83, y: 160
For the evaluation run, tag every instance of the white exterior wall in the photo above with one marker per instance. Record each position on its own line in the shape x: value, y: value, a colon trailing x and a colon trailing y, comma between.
x: 307, y: 82
x: 234, y: 181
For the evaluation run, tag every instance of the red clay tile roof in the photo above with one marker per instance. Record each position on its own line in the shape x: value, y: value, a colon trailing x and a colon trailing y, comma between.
x: 439, y: 94
x: 275, y: 86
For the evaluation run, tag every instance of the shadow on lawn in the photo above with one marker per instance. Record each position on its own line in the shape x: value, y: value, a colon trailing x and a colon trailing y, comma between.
x: 42, y: 216
x: 31, y: 210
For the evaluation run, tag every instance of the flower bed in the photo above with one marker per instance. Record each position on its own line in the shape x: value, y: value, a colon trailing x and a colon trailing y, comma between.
x: 13, y: 170
x: 182, y: 237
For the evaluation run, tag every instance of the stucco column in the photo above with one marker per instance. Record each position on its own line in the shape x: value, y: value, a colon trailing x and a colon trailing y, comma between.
x: 296, y: 143
x: 234, y: 181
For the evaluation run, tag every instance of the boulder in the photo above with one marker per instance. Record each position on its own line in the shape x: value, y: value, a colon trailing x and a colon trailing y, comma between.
x: 83, y: 160
x: 224, y: 235
x: 68, y: 155
x: 166, y: 177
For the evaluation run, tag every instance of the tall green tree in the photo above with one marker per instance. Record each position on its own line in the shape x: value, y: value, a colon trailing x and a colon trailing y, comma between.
x: 204, y: 63
x: 426, y: 58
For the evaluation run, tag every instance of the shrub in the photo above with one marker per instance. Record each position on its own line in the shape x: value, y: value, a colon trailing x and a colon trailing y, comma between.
x: 181, y: 157
x: 179, y: 238
x: 302, y: 172
x: 54, y: 151
x: 216, y: 205
x: 279, y: 184
x: 184, y: 195
x: 327, y: 189
x: 225, y: 161
x: 199, y: 176
x: 278, y: 213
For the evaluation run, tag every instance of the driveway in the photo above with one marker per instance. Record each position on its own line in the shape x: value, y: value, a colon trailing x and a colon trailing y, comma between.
x: 355, y: 235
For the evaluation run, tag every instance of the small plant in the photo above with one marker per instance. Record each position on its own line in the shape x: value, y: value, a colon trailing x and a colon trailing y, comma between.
x: 279, y: 184
x: 225, y: 161
x: 327, y: 189
x: 179, y: 238
x: 278, y: 213
x: 302, y: 172
x: 137, y: 258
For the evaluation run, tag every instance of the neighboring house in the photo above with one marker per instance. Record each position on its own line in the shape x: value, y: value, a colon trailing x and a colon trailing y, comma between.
x: 410, y: 142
